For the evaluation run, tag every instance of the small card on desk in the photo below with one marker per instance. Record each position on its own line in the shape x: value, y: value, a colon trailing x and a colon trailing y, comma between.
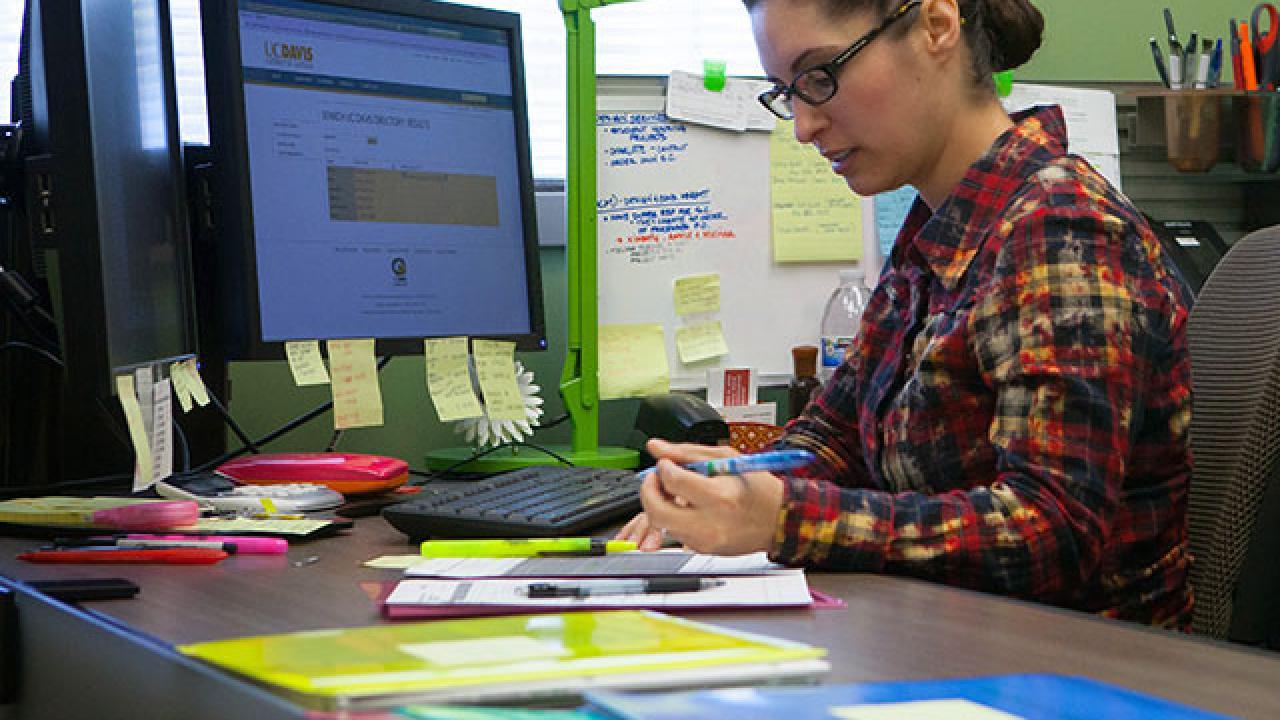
x: 625, y: 564
x: 421, y: 597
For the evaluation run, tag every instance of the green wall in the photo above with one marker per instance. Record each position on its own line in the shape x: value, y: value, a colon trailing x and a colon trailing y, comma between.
x: 1086, y: 41
x: 263, y: 396
x: 1094, y: 41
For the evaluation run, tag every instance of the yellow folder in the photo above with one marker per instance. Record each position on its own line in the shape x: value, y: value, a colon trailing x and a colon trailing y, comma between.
x: 513, y: 657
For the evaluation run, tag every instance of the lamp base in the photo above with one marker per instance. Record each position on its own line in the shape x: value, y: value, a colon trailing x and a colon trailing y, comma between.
x: 521, y: 457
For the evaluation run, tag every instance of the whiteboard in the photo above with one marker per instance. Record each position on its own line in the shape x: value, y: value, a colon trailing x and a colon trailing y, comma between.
x: 676, y: 200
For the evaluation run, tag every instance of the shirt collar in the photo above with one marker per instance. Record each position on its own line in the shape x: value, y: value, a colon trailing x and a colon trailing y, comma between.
x: 949, y: 238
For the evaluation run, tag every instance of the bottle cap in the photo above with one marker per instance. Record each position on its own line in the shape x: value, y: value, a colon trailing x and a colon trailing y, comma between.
x: 804, y: 359
x: 851, y: 275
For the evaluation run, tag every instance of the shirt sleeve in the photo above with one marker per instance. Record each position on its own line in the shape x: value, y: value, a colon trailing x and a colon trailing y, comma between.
x: 828, y: 428
x: 1062, y: 336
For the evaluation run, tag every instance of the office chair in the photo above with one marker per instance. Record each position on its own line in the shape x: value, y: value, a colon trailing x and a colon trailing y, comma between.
x: 1234, y: 339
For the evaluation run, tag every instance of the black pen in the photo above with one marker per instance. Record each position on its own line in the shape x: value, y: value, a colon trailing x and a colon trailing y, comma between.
x: 1190, y: 61
x: 1168, y: 24
x: 1155, y: 54
x: 125, y: 543
x: 621, y: 586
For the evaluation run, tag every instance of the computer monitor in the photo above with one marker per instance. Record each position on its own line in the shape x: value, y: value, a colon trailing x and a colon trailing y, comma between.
x: 371, y: 175
x: 105, y: 236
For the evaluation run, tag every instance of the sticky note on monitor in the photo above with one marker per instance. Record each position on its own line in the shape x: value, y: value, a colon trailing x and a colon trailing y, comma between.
x: 186, y: 381
x: 496, y: 373
x: 126, y: 390
x: 306, y: 363
x: 357, y: 397
x: 449, y: 379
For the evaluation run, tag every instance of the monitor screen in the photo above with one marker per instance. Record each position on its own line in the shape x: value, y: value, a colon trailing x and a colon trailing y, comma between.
x: 379, y: 154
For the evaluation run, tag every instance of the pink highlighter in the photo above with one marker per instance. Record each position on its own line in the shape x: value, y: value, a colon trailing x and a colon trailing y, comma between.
x: 157, y: 515
x: 244, y: 545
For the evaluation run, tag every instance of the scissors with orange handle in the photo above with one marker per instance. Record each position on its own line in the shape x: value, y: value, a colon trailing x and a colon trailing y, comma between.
x: 1266, y: 46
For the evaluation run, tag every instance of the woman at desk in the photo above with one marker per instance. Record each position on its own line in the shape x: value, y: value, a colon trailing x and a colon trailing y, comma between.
x: 1013, y: 416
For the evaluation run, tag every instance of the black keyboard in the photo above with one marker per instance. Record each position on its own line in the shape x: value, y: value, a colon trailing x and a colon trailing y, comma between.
x: 544, y: 501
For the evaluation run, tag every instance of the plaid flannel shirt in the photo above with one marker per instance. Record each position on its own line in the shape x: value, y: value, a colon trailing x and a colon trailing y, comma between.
x: 1014, y: 415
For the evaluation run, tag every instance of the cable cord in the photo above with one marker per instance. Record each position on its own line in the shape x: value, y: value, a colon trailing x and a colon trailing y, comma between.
x: 253, y: 445
x: 20, y: 345
x: 492, y: 449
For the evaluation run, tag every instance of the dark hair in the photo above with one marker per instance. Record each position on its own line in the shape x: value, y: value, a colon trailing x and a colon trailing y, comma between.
x: 1002, y: 34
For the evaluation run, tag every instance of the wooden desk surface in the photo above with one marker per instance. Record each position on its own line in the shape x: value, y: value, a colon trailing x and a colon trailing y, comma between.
x: 893, y: 628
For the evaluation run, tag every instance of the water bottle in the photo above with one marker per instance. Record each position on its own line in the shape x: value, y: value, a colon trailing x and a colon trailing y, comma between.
x: 840, y: 320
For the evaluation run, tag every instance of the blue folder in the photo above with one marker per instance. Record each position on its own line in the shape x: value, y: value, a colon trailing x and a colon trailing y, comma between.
x: 1034, y: 697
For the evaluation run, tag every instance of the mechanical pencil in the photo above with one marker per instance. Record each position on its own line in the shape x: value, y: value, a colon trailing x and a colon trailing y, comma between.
x: 1155, y: 54
x: 624, y: 586
x: 523, y: 547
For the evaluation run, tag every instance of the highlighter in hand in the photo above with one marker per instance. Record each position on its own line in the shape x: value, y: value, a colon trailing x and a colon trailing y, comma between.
x: 773, y: 461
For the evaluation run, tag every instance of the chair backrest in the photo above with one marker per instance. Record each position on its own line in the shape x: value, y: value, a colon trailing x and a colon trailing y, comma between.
x: 1234, y: 338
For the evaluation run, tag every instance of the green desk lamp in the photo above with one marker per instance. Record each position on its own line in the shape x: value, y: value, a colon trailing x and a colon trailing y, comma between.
x: 579, y: 382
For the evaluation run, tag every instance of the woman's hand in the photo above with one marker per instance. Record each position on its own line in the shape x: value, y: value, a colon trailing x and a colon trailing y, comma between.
x: 724, y: 515
x: 640, y: 530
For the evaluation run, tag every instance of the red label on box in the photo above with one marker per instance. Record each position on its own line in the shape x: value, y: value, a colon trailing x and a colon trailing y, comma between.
x: 737, y: 386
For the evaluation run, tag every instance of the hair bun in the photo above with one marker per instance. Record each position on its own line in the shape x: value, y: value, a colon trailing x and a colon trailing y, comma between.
x: 1015, y: 28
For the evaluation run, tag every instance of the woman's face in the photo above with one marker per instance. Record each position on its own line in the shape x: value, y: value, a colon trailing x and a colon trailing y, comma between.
x: 875, y: 131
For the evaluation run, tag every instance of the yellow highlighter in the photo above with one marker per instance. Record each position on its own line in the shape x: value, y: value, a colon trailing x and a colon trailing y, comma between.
x: 524, y: 547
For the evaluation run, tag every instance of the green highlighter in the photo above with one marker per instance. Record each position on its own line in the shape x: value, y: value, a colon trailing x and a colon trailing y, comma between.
x: 524, y: 547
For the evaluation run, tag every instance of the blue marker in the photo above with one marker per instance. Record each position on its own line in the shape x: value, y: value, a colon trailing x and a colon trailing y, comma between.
x: 775, y: 461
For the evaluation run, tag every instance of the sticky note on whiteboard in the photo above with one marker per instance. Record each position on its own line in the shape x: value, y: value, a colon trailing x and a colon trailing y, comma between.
x: 700, y: 342
x: 633, y: 361
x: 697, y: 294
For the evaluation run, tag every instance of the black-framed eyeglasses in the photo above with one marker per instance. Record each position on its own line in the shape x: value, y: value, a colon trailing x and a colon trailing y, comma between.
x: 817, y: 84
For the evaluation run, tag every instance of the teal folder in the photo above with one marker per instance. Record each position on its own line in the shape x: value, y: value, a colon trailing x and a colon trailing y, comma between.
x: 1032, y: 697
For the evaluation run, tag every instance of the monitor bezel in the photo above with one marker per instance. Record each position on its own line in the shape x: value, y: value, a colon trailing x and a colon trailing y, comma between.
x: 238, y: 317
x: 61, y: 161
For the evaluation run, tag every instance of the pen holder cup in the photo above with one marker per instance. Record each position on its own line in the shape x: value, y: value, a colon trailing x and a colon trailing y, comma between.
x: 1257, y: 131
x: 1192, y: 122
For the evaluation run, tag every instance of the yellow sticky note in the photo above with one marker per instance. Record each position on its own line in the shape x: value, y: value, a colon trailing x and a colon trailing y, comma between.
x: 697, y: 294
x: 701, y: 341
x: 194, y: 383
x: 306, y: 363
x: 357, y: 398
x: 633, y: 361
x: 496, y: 372
x: 816, y: 217
x: 180, y: 387
x: 449, y: 379
x: 127, y: 391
